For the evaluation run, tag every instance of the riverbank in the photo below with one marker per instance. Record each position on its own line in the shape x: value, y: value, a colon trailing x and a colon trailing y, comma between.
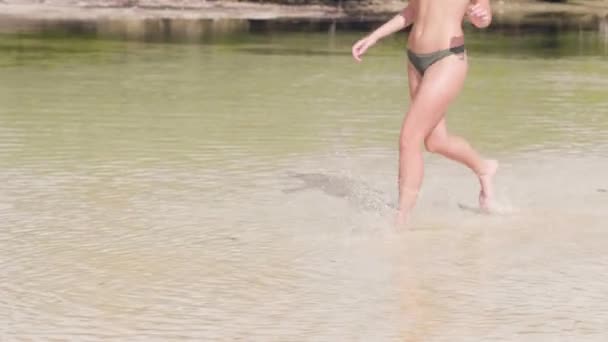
x: 196, y: 18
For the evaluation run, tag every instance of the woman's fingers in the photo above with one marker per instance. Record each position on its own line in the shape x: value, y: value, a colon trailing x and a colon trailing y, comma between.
x: 359, y: 49
x: 477, y: 12
x: 362, y: 46
x: 354, y: 52
x: 478, y: 15
x: 471, y: 10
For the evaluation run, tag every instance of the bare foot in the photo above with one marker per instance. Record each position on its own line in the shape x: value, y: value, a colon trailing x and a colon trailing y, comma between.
x: 407, y: 200
x: 402, y: 218
x: 486, y: 179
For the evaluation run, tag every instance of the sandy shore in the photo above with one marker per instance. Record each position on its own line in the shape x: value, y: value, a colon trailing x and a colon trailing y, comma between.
x: 30, y: 16
x: 202, y: 9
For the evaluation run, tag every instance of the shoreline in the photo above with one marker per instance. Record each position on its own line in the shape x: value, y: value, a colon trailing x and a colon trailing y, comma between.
x: 196, y: 19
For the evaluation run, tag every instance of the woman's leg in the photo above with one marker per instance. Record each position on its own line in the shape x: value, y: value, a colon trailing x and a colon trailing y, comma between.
x: 414, y: 79
x: 441, y: 84
x: 408, y: 195
x: 458, y: 149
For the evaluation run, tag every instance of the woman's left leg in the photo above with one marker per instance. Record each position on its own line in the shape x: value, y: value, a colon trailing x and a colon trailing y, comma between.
x: 458, y: 149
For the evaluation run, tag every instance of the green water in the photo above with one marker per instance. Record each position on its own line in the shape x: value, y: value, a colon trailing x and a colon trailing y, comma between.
x: 237, y: 190
x: 251, y: 91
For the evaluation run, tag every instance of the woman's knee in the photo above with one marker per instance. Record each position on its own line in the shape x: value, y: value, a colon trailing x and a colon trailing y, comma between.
x: 434, y: 143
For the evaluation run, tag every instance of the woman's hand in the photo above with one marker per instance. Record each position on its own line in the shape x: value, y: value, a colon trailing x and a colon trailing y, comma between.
x: 480, y: 14
x: 362, y: 46
x: 398, y: 22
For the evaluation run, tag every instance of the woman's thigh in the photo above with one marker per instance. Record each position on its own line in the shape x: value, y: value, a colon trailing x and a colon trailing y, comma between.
x: 441, y: 84
x: 413, y: 78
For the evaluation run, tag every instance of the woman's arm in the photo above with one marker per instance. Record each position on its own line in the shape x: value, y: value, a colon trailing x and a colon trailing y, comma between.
x: 398, y: 22
x: 480, y: 13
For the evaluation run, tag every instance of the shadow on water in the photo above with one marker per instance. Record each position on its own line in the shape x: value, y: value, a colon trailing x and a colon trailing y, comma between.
x: 357, y: 193
x: 292, y: 51
x: 18, y: 47
x: 150, y: 30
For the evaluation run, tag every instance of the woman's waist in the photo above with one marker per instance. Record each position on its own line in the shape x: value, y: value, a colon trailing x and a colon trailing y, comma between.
x: 432, y: 41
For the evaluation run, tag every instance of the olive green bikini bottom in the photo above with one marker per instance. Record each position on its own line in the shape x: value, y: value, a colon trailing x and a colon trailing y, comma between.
x: 422, y: 61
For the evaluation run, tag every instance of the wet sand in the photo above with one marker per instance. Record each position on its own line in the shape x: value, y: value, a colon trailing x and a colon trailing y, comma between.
x: 236, y: 192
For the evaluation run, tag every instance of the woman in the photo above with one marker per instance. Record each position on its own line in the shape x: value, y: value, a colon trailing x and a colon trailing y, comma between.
x: 436, y: 71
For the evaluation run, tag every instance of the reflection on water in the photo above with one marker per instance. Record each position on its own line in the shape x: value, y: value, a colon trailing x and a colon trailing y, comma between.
x: 220, y: 192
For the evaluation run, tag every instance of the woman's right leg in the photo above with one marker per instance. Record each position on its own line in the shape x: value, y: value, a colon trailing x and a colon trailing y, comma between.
x: 455, y: 148
x: 440, y: 85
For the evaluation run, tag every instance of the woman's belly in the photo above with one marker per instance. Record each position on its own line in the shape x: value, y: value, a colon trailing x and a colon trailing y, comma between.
x: 438, y: 38
x: 438, y: 25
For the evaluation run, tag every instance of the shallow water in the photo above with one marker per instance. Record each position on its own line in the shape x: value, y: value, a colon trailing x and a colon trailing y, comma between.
x: 241, y: 190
